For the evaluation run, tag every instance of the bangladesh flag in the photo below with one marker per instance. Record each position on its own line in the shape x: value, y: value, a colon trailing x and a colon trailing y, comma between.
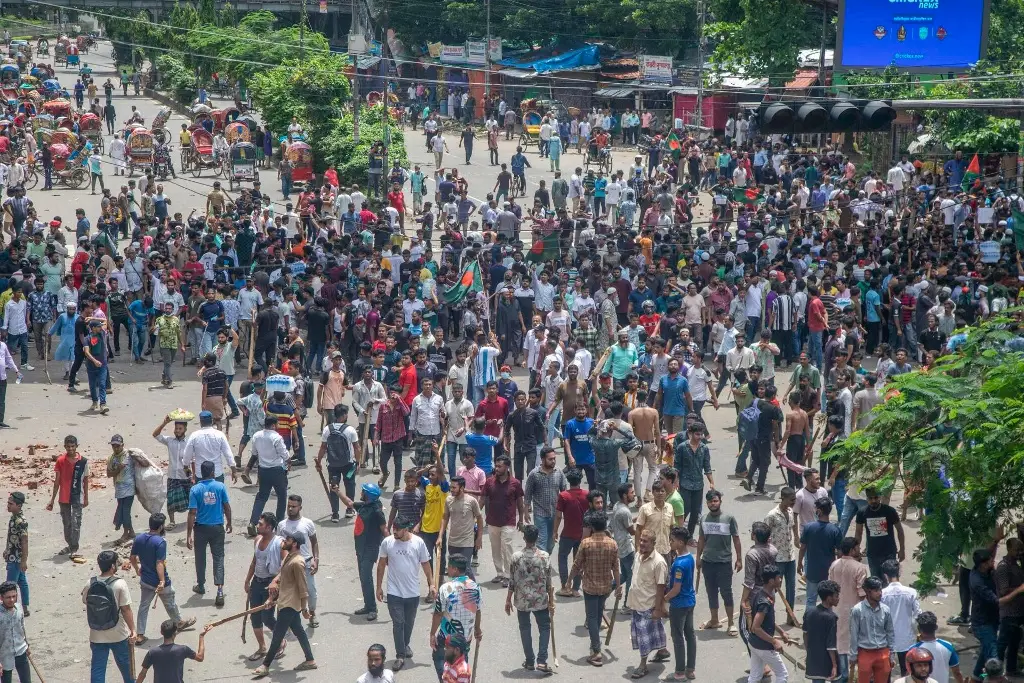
x: 1018, y: 229
x: 973, y: 173
x: 674, y: 145
x: 545, y: 249
x: 747, y: 195
x: 471, y: 281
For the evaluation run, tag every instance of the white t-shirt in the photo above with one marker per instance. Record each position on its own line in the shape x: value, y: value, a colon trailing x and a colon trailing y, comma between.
x: 303, y: 524
x: 386, y: 676
x: 404, y: 561
x: 124, y: 597
x: 437, y: 143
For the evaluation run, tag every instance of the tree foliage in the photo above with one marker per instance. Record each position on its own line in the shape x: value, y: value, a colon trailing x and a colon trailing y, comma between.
x: 351, y: 159
x: 958, y: 431
x: 314, y: 91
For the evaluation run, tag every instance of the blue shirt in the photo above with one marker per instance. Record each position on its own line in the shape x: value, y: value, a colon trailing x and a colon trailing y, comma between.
x: 208, y: 498
x: 577, y: 433
x: 637, y: 298
x: 874, y: 302
x: 682, y: 572
x: 484, y: 445
x: 140, y: 314
x: 150, y: 549
x: 599, y: 187
x: 822, y: 540
x: 673, y: 399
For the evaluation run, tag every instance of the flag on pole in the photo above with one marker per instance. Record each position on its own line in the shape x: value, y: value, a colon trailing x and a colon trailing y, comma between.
x: 747, y: 195
x: 1018, y: 229
x: 674, y: 145
x: 471, y: 281
x: 544, y: 249
x: 973, y: 173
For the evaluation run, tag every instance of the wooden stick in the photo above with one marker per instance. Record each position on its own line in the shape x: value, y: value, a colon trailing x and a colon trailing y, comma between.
x: 46, y: 359
x: 551, y: 608
x: 35, y: 668
x: 366, y: 434
x: 789, y: 610
x: 323, y: 480
x: 252, y: 342
x: 476, y: 656
x: 611, y: 625
x: 131, y: 652
x: 251, y: 610
x: 245, y: 619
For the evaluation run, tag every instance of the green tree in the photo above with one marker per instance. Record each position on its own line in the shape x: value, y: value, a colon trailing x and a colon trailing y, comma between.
x: 765, y: 40
x: 207, y: 12
x: 964, y: 421
x: 313, y: 91
x: 350, y: 158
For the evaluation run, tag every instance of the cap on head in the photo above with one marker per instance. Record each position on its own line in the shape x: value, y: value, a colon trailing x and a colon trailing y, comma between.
x: 117, y: 440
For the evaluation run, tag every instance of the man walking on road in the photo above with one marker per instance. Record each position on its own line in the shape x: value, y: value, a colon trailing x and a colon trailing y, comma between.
x: 463, y: 521
x: 541, y: 496
x: 108, y: 609
x: 530, y: 592
x: 290, y: 593
x: 598, y: 562
x: 71, y: 484
x: 505, y: 506
x: 296, y: 523
x: 269, y: 449
x: 402, y: 555
x: 209, y: 519
x: 16, y: 550
x: 265, y: 566
x: 149, y: 559
x: 456, y: 610
x: 340, y: 443
x: 369, y: 531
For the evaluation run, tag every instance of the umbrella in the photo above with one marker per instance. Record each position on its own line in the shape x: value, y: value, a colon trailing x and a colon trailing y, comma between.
x: 248, y: 121
x: 51, y: 84
x: 283, y: 383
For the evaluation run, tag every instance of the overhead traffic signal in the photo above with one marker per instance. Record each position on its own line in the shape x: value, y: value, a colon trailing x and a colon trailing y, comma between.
x: 826, y: 116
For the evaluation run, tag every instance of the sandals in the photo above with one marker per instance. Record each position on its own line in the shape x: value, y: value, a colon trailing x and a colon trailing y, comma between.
x: 185, y: 624
x: 639, y: 673
x: 140, y: 639
x: 565, y: 592
x: 66, y: 550
x: 260, y: 671
x: 544, y: 669
x: 708, y: 626
x: 733, y: 631
x: 258, y: 655
x: 307, y: 665
x: 661, y: 657
x: 595, y: 659
x: 529, y: 667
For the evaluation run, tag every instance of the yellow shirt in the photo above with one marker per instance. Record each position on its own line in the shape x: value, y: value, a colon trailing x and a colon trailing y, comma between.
x: 433, y: 513
x: 185, y: 138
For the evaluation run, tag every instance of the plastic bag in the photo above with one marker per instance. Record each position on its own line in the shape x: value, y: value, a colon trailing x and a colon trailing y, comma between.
x: 150, y: 482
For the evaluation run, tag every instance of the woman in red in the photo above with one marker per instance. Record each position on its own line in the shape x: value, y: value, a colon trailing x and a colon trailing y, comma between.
x: 396, y: 199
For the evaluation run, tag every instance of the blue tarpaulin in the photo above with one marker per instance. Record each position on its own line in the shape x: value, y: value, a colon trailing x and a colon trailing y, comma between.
x: 574, y: 59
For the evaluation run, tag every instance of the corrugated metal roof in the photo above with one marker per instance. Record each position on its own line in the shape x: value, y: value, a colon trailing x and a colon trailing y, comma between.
x: 804, y: 79
x: 613, y: 93
x: 521, y: 74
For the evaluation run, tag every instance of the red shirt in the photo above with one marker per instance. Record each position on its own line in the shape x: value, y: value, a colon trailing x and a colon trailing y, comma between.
x: 572, y: 504
x: 816, y: 315
x: 71, y: 472
x: 397, y: 200
x: 197, y: 269
x: 502, y: 500
x: 650, y: 323
x: 492, y: 411
x: 407, y: 378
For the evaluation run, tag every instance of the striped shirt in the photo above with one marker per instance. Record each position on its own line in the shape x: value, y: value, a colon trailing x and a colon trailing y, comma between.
x: 542, y: 491
x: 782, y: 312
x: 391, y: 422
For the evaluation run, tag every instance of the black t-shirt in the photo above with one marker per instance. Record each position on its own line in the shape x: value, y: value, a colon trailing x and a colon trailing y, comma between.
x: 266, y: 325
x: 317, y: 320
x: 440, y: 356
x: 819, y: 640
x: 880, y: 526
x: 769, y: 414
x: 168, y: 662
x: 762, y: 602
x: 369, y: 519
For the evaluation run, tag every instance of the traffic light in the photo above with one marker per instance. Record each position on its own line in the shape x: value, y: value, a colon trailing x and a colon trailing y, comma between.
x: 825, y: 116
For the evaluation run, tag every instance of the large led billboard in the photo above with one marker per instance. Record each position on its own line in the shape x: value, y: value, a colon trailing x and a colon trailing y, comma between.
x: 923, y: 35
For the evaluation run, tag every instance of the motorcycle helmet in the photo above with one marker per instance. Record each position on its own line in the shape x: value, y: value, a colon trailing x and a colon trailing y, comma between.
x: 372, y: 491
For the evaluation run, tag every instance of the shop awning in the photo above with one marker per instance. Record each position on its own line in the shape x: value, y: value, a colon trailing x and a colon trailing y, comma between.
x: 613, y: 93
x: 521, y: 74
x: 804, y: 79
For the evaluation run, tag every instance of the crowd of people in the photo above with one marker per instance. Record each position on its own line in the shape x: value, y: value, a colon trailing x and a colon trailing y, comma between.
x: 545, y: 375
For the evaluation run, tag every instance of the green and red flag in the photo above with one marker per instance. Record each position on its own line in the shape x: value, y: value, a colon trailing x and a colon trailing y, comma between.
x: 471, y: 281
x: 544, y: 249
x: 972, y: 174
x: 674, y: 145
x: 747, y: 195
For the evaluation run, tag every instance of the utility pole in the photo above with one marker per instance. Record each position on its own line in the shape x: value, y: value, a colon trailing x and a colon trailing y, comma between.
x: 302, y: 31
x: 824, y: 31
x: 487, y: 59
x: 355, y: 28
x: 699, y: 108
x: 384, y: 50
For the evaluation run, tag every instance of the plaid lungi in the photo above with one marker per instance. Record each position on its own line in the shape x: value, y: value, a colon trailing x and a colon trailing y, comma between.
x: 177, y: 494
x: 646, y: 633
x: 423, y: 449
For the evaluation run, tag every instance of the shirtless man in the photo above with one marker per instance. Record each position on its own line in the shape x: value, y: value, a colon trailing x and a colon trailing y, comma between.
x: 644, y: 421
x: 796, y: 435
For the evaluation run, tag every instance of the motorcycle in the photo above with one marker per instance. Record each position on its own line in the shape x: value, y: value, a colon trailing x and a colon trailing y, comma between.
x: 162, y: 165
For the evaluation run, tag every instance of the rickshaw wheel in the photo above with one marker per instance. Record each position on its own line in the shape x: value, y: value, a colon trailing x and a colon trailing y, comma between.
x: 184, y: 161
x: 31, y: 179
x: 79, y: 179
x: 197, y: 169
x: 160, y: 135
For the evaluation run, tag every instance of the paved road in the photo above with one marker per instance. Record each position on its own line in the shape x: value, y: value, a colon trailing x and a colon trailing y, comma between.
x: 43, y: 414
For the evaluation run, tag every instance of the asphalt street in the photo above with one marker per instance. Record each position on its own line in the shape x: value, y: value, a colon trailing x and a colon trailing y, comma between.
x: 42, y: 414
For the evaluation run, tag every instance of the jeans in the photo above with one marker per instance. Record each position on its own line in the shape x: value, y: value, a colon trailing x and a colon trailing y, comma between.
x: 315, y: 358
x: 365, y: 564
x: 166, y: 597
x: 167, y: 357
x: 626, y: 572
x: 138, y: 341
x: 452, y: 449
x: 815, y: 349
x: 753, y: 327
x: 788, y: 570
x: 594, y: 606
x: 850, y: 509
x: 122, y: 657
x: 692, y: 500
x: 123, y: 514
x: 71, y: 516
x: 543, y: 618
x: 403, y: 616
x: 1008, y: 643
x: 259, y: 593
x: 286, y: 186
x: 16, y: 340
x: 838, y: 495
x: 875, y: 564
x: 15, y: 574
x: 211, y: 535
x: 566, y: 546
x: 275, y: 478
x: 987, y: 646
x: 22, y: 666
x: 97, y: 383
x: 288, y: 619
x: 812, y: 595
x: 545, y: 527
x: 684, y: 640
x: 388, y: 451
x: 344, y: 477
x: 524, y: 460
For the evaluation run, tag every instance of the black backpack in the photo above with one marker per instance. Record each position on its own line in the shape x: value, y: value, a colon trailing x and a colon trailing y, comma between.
x: 339, y: 451
x: 101, y: 607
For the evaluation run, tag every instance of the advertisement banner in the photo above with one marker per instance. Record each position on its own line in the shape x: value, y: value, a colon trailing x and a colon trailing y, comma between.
x: 656, y: 69
x: 453, y: 54
x: 495, y: 49
x: 435, y: 49
x: 476, y: 52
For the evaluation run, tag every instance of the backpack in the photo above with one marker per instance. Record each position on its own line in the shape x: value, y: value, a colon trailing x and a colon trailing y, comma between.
x: 101, y: 609
x: 749, y: 417
x: 339, y: 449
x: 308, y: 394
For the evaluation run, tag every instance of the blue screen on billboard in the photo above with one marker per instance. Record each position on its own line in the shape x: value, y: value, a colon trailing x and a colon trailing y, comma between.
x: 939, y: 35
